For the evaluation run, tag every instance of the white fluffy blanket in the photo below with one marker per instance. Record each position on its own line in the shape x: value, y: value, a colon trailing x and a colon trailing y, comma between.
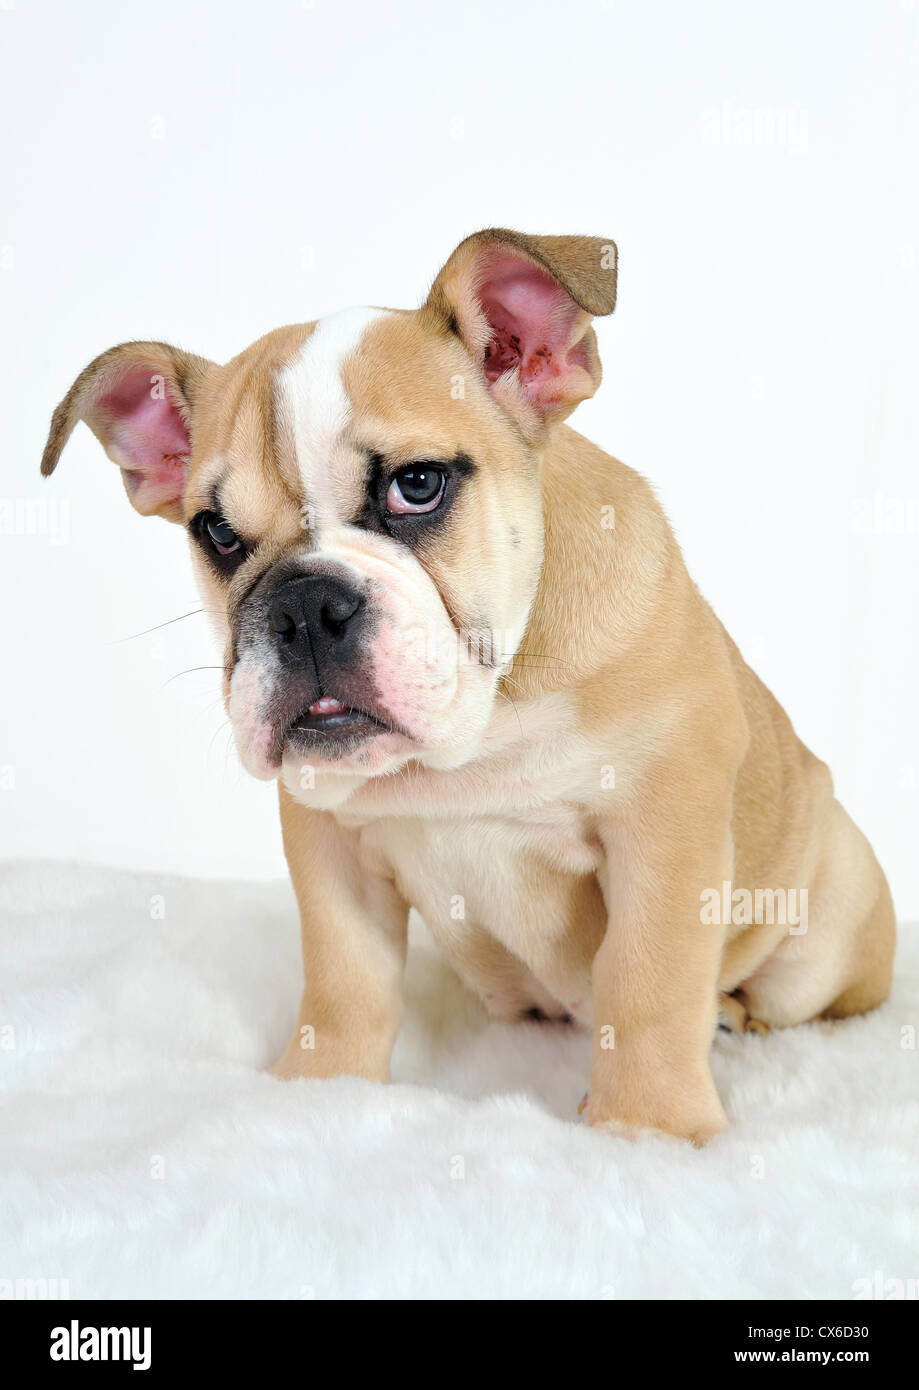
x: 143, y: 1152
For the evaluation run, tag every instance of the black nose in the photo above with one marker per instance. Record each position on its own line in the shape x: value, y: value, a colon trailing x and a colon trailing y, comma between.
x: 315, y: 619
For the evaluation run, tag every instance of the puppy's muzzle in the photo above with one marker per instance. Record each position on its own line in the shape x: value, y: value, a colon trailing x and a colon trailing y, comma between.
x: 324, y: 700
x: 316, y: 622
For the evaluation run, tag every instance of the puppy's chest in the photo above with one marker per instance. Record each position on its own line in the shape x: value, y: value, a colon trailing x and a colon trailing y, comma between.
x: 513, y: 877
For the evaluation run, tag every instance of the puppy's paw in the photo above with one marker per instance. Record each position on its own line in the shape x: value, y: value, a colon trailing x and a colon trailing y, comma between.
x: 694, y: 1126
x: 295, y: 1063
x: 756, y: 1025
x: 326, y: 1061
x: 634, y: 1132
x: 735, y: 1017
x: 285, y: 1069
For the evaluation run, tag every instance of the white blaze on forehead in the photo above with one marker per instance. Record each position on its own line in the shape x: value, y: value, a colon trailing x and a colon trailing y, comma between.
x: 312, y: 394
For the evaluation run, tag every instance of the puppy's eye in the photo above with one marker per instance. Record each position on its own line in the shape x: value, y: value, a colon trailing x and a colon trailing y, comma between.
x: 418, y: 488
x: 221, y: 535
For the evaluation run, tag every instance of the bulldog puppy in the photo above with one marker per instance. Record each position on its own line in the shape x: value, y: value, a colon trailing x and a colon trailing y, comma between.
x: 464, y: 641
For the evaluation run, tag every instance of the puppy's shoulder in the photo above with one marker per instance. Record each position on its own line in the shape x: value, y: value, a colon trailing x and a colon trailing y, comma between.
x: 597, y: 490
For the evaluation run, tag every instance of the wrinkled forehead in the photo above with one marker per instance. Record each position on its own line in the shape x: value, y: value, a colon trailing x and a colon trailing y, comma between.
x: 294, y: 423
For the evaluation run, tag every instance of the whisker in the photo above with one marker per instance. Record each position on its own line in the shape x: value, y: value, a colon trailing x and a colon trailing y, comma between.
x: 219, y: 730
x: 536, y: 666
x: 503, y: 695
x: 189, y: 672
x: 168, y: 623
x: 523, y: 657
x: 227, y: 749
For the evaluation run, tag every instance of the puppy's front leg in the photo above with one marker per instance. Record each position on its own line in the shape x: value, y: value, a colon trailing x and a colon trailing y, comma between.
x: 354, y: 927
x: 655, y: 976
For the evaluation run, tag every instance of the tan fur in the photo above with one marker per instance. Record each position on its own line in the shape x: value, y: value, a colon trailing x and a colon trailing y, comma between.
x: 631, y: 763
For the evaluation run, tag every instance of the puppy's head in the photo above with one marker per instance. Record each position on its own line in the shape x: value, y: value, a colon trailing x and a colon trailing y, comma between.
x: 362, y: 499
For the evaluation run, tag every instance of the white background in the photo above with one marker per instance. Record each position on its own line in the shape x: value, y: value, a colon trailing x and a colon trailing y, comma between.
x: 202, y: 173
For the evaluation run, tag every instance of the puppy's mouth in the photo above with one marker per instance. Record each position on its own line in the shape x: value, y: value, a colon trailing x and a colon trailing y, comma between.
x: 299, y: 717
x: 331, y: 728
x: 327, y: 715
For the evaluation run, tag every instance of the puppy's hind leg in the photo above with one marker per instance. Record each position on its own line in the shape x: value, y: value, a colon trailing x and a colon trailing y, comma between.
x: 872, y: 961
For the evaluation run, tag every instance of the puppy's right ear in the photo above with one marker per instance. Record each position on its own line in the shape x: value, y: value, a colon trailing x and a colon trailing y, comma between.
x: 139, y: 401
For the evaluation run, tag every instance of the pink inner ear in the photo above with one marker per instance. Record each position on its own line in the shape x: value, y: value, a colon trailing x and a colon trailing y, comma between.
x: 149, y: 435
x: 533, y: 322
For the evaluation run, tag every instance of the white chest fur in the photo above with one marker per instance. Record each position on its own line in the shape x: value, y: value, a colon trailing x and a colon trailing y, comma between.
x: 505, y: 844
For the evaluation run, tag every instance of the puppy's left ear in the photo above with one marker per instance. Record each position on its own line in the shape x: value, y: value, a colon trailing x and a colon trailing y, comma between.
x: 138, y: 399
x: 522, y: 305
